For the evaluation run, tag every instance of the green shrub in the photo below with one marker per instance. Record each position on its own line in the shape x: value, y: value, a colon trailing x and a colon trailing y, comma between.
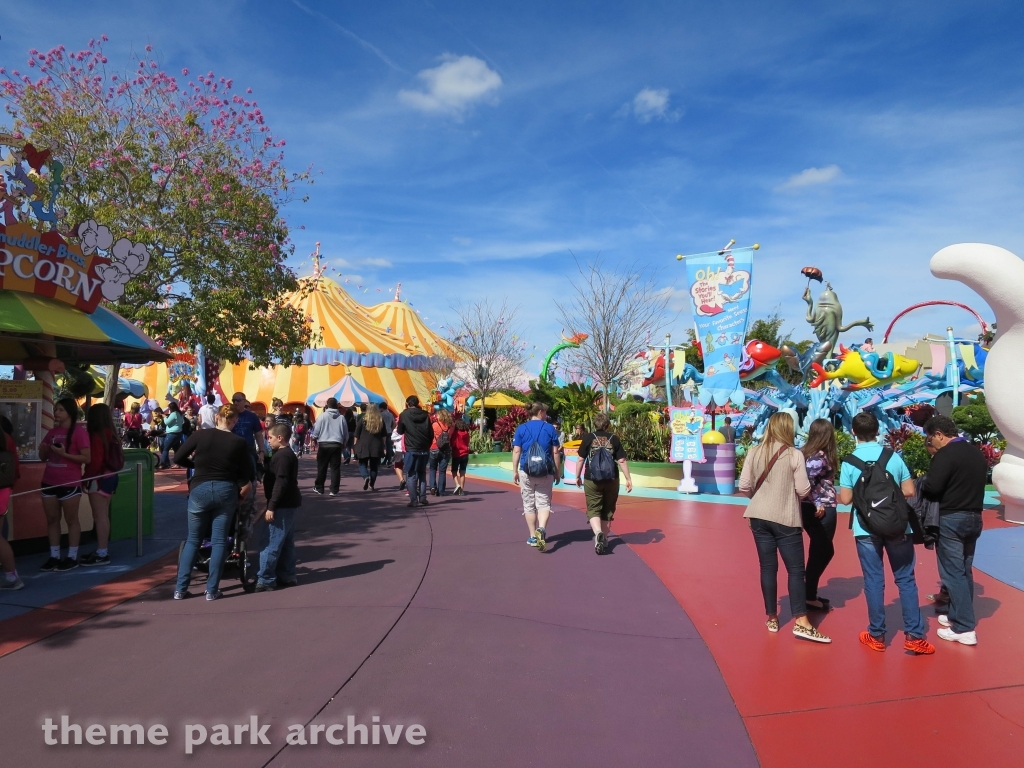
x: 642, y: 439
x: 627, y: 408
x: 845, y: 444
x: 916, y: 455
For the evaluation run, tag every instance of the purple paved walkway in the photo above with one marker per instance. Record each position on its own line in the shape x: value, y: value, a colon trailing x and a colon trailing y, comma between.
x: 506, y: 656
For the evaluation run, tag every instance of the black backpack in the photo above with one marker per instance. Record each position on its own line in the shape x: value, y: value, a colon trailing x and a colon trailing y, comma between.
x: 444, y: 440
x: 877, y: 498
x: 601, y: 460
x: 8, y: 464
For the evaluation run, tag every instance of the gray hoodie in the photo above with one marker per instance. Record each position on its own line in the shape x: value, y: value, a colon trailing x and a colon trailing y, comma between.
x: 331, y: 428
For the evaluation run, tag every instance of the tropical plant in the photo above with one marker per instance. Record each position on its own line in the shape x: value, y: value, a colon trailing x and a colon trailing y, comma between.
x: 480, y: 442
x: 642, y: 438
x: 189, y: 169
x: 505, y: 426
x: 991, y: 453
x: 895, y: 438
x: 578, y: 404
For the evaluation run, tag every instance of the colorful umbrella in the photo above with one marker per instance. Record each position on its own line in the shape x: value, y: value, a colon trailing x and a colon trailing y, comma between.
x: 347, y: 392
x: 100, y: 338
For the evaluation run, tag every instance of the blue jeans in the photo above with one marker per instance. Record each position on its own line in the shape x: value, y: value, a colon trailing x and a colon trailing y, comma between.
x: 416, y: 475
x: 901, y: 560
x: 438, y: 463
x: 277, y: 560
x: 773, y: 540
x: 211, y: 502
x: 958, y: 535
x: 172, y: 442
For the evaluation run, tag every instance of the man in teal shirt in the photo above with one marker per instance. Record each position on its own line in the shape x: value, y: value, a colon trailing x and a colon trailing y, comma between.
x: 900, y: 550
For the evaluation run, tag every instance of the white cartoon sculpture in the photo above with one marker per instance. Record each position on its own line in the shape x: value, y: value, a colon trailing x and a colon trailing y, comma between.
x: 998, y: 276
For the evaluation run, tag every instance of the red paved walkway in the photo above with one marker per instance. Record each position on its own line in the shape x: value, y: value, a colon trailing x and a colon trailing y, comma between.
x: 448, y: 619
x: 839, y: 705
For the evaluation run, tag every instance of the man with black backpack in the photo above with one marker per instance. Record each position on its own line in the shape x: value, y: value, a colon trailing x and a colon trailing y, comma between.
x: 536, y: 466
x: 597, y: 471
x: 877, y: 482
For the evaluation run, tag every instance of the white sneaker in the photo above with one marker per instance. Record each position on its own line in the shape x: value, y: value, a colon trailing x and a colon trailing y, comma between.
x: 964, y: 638
x: 943, y: 620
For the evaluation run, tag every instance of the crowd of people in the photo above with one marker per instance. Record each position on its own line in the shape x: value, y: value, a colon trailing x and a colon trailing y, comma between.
x: 792, y: 492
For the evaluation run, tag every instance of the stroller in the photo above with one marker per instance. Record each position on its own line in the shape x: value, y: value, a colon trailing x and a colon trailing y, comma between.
x: 240, y: 561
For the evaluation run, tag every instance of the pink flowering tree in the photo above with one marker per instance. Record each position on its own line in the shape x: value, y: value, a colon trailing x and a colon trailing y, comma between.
x: 187, y: 166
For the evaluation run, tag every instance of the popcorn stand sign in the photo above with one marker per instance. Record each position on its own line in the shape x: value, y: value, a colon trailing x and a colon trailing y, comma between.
x: 50, y: 263
x: 53, y: 276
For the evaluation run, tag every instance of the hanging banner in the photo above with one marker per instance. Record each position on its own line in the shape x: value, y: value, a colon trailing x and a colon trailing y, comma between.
x: 720, y: 296
x: 687, y: 426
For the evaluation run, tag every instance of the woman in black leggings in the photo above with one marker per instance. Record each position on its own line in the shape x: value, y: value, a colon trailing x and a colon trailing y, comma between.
x: 369, y: 445
x: 818, y: 512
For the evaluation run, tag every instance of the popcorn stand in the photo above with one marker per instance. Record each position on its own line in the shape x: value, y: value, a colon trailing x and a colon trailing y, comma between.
x: 52, y: 280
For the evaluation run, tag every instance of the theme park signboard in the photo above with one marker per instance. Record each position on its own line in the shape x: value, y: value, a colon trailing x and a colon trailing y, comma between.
x: 719, y: 285
x: 40, y: 257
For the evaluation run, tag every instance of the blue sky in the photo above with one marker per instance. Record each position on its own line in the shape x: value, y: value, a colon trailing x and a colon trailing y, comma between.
x: 465, y: 148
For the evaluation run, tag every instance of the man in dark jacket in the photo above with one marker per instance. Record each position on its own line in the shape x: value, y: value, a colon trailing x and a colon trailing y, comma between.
x: 281, y: 485
x: 414, y: 423
x: 956, y: 479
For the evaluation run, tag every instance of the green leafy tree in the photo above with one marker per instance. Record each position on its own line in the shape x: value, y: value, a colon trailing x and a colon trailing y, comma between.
x: 975, y: 420
x: 186, y: 167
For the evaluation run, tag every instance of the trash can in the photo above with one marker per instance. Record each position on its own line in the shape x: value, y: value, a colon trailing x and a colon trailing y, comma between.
x: 123, y: 514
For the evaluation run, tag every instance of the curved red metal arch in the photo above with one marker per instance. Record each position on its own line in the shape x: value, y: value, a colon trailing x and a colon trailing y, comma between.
x: 943, y: 302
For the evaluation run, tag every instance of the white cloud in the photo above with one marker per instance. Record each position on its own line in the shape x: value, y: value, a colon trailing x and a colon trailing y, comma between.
x: 374, y: 262
x: 810, y: 177
x: 463, y: 241
x: 650, y: 104
x: 453, y: 86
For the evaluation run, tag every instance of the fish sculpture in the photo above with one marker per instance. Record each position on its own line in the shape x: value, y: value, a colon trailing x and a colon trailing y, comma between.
x: 758, y: 357
x: 861, y: 374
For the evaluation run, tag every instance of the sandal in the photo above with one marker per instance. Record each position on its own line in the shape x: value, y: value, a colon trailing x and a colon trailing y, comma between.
x: 772, y: 624
x: 825, y: 606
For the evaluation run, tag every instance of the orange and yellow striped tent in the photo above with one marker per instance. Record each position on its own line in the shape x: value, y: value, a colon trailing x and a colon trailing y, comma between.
x: 352, y: 342
x: 399, y: 319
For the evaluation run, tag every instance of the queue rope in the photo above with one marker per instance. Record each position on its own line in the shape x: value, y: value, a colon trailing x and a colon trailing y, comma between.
x: 83, y: 480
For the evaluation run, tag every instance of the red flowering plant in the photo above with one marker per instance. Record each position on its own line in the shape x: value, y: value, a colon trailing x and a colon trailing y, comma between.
x: 187, y: 167
x: 505, y: 427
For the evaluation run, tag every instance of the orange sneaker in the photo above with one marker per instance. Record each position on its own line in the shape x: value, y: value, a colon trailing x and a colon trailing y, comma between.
x: 872, y: 642
x: 918, y: 645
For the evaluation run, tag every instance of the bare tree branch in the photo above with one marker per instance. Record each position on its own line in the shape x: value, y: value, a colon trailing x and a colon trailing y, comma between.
x: 618, y: 309
x: 489, y: 336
